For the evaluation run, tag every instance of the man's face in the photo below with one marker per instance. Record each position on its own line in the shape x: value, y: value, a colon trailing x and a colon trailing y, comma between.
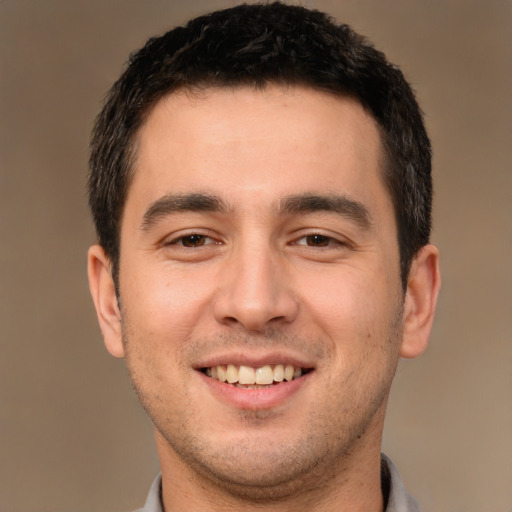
x: 259, y: 241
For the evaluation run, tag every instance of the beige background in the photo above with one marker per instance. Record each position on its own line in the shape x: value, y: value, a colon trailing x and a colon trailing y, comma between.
x: 72, y: 437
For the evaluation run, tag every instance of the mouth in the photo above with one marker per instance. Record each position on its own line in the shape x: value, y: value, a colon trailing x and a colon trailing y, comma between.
x: 248, y: 377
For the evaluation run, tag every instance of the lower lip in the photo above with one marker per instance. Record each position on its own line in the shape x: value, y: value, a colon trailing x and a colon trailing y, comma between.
x: 263, y: 398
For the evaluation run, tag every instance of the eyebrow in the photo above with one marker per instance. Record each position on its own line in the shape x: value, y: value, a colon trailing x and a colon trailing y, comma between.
x: 295, y: 204
x: 339, y: 204
x: 180, y: 203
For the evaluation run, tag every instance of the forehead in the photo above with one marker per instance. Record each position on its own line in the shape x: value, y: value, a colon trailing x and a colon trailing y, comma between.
x: 257, y: 143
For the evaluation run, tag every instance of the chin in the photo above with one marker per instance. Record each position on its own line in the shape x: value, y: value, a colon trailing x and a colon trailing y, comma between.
x: 264, y: 467
x: 257, y: 479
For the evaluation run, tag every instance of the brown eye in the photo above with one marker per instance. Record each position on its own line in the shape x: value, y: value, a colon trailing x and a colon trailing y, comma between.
x: 317, y: 240
x: 193, y: 240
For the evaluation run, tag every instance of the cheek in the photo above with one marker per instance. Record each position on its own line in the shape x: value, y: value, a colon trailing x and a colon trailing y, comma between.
x: 161, y: 312
x: 339, y: 299
x: 356, y: 311
x: 165, y: 300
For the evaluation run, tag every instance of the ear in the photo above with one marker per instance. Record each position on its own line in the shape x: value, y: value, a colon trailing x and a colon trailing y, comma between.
x: 104, y: 296
x: 420, y: 301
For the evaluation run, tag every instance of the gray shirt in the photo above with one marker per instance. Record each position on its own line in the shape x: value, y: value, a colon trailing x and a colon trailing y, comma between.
x: 399, y: 500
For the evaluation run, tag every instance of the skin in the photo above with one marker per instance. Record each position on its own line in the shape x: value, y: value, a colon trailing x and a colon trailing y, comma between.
x: 265, y: 281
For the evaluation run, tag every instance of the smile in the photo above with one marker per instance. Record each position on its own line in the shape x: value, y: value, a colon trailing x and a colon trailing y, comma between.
x: 255, y: 378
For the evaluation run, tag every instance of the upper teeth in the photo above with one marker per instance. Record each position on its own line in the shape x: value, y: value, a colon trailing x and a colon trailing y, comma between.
x: 247, y: 375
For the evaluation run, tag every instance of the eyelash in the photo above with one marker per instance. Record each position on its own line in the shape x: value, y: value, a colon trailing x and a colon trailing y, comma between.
x: 323, y: 241
x: 180, y: 241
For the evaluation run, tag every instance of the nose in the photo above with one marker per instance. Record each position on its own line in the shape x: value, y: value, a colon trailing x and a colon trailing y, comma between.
x: 254, y: 292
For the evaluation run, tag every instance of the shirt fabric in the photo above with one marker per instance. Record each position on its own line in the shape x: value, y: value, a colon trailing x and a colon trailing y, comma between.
x: 399, y: 500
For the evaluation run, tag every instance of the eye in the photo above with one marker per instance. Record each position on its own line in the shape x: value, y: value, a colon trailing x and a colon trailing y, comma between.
x: 193, y: 240
x: 317, y: 240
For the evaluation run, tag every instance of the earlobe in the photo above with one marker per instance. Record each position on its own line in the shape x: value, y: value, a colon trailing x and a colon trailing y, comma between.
x: 420, y: 302
x: 104, y: 296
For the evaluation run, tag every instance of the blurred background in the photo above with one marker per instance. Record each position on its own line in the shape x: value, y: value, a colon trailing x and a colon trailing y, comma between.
x: 72, y: 436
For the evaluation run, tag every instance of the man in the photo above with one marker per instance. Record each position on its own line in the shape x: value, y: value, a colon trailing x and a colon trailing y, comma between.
x: 260, y: 183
